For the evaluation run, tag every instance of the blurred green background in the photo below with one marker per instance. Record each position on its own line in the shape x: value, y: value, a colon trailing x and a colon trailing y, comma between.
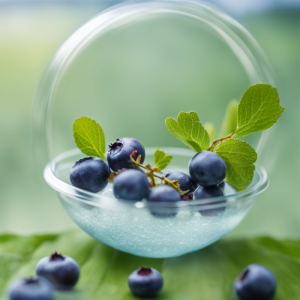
x: 29, y: 36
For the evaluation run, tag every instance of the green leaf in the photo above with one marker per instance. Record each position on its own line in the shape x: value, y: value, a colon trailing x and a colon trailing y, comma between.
x: 189, y: 130
x: 258, y: 110
x: 239, y: 157
x: 208, y: 273
x: 161, y: 159
x: 89, y: 137
x: 230, y: 119
x: 211, y: 130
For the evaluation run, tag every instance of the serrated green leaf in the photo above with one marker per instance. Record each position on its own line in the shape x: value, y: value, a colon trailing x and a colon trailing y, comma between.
x: 211, y: 130
x: 230, y: 119
x: 258, y: 109
x: 189, y: 130
x: 161, y: 159
x: 239, y: 157
x: 89, y: 137
x: 208, y: 273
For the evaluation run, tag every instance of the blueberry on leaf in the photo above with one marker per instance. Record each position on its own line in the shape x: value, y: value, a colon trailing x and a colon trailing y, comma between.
x: 207, y: 168
x: 90, y: 174
x: 131, y: 185
x: 145, y: 282
x: 119, y: 152
x: 62, y: 271
x: 185, y: 181
x: 256, y: 282
x: 31, y: 289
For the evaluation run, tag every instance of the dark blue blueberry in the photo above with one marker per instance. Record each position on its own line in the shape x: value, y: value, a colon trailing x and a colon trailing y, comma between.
x: 62, y: 271
x: 119, y: 152
x: 145, y: 282
x: 209, y: 192
x: 158, y: 197
x: 185, y: 181
x: 256, y: 283
x: 131, y: 185
x: 207, y: 168
x: 90, y: 174
x: 30, y: 289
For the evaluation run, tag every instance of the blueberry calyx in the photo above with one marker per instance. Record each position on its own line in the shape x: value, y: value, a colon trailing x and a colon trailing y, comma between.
x: 143, y: 271
x: 56, y: 257
x: 115, y: 147
x: 244, y: 275
x: 31, y: 280
x: 122, y: 150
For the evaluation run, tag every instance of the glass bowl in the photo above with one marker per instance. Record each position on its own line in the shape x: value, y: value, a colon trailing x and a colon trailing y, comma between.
x: 129, y: 68
x: 130, y: 226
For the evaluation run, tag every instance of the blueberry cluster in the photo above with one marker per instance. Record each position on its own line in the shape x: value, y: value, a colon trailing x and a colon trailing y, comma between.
x: 207, y: 173
x: 56, y: 272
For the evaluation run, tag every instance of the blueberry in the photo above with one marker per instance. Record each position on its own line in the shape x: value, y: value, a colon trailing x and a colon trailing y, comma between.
x: 119, y: 152
x: 185, y: 181
x: 62, y: 271
x: 145, y: 282
x: 30, y: 289
x: 256, y: 282
x: 209, y: 192
x: 207, y: 168
x: 131, y: 185
x: 163, y: 193
x: 90, y: 174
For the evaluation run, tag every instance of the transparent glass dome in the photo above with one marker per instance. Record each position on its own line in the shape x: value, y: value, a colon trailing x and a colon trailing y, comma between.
x: 130, y: 68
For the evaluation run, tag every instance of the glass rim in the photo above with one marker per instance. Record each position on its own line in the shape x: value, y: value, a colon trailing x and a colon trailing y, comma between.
x: 90, y: 198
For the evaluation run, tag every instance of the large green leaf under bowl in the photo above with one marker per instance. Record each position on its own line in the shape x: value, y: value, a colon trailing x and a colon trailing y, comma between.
x: 130, y: 226
x: 206, y: 274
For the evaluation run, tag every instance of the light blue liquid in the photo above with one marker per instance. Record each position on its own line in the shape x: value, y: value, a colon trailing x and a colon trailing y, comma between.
x: 136, y: 231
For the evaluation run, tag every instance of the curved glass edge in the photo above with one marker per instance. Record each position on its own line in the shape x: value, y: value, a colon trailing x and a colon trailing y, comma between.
x: 234, y: 34
x: 92, y: 198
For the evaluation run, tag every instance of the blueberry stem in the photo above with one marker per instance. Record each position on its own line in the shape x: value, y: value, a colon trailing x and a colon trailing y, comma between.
x: 151, y: 176
x: 215, y: 142
x: 174, y: 183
